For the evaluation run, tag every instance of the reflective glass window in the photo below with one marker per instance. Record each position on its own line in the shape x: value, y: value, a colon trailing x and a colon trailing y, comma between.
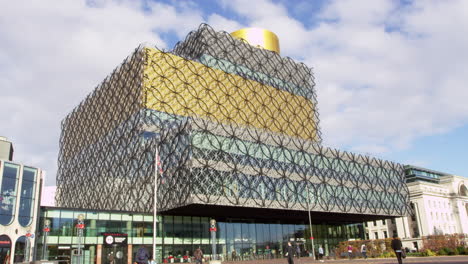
x: 20, y: 249
x: 27, y: 197
x: 5, y: 248
x: 8, y: 193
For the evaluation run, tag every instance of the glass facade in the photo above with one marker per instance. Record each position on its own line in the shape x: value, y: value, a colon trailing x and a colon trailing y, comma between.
x: 179, y: 236
x: 27, y: 196
x: 8, y: 192
x: 415, y: 173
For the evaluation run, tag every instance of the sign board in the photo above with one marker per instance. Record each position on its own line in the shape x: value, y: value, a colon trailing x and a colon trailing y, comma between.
x: 115, y: 238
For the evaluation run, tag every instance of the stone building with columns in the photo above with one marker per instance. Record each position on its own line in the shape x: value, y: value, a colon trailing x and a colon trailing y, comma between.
x: 439, y: 202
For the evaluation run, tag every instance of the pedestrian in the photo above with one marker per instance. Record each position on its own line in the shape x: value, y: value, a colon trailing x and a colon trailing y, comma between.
x: 142, y: 255
x: 198, y: 254
x: 364, y: 251
x: 298, y: 251
x: 350, y: 251
x: 290, y: 253
x: 320, y: 251
x: 234, y: 255
x: 396, y: 246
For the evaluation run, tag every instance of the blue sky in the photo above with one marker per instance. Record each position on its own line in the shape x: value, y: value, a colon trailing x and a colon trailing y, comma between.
x: 390, y: 76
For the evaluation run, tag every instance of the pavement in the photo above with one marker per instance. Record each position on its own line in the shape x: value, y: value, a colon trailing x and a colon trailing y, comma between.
x: 412, y: 260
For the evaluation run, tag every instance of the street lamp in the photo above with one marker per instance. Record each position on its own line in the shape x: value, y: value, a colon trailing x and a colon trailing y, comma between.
x: 80, y: 226
x: 28, y: 244
x: 310, y: 220
x: 213, y: 237
x: 46, y: 232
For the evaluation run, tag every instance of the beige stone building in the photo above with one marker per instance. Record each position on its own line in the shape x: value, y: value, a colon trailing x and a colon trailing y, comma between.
x: 440, y: 204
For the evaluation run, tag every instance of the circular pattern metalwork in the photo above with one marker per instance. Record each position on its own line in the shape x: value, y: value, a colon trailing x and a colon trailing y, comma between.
x: 235, y: 126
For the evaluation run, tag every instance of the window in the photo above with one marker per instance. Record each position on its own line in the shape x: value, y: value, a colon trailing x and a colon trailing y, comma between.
x: 27, y: 196
x: 395, y: 233
x: 375, y: 223
x: 384, y: 222
x: 393, y: 220
x: 8, y: 193
x: 376, y: 235
x: 385, y: 234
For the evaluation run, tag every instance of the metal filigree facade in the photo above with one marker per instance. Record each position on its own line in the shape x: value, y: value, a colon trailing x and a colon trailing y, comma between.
x: 235, y: 125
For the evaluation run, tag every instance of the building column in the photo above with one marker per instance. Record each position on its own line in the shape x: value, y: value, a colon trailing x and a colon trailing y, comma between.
x: 99, y: 254
x: 92, y: 253
x: 461, y: 216
x: 403, y: 227
x: 425, y: 224
x: 129, y: 253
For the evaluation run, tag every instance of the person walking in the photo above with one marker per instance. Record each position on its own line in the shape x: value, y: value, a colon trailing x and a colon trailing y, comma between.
x: 350, y: 251
x: 290, y: 253
x: 396, y: 246
x: 364, y: 251
x: 320, y: 253
x: 142, y: 255
x: 198, y: 254
x: 298, y: 251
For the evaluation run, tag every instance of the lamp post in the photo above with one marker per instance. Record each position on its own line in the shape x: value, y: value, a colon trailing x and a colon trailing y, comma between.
x: 310, y: 220
x: 28, y: 244
x: 80, y: 226
x: 213, y: 237
x: 46, y: 232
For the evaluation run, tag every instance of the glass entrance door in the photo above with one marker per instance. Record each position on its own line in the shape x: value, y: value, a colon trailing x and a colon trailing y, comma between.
x: 114, y: 254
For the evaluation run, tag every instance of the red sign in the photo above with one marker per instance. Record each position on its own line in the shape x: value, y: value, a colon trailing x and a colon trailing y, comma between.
x: 46, y: 229
x: 213, y: 229
x: 311, y: 237
x: 80, y: 226
x: 28, y: 234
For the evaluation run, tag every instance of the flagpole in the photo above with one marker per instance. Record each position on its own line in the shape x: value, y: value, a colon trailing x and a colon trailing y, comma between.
x: 155, y: 202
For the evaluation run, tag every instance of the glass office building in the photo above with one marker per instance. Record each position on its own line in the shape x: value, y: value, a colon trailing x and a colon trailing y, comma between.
x: 179, y: 236
x: 235, y: 130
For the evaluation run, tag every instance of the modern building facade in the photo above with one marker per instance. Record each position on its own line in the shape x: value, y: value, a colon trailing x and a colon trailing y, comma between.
x: 19, y: 204
x: 236, y: 130
x: 178, y: 236
x: 439, y: 203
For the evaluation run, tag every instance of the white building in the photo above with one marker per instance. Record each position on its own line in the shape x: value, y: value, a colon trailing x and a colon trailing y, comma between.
x: 440, y: 203
x: 19, y: 205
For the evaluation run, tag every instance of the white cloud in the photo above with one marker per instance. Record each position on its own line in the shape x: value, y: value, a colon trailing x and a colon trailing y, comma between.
x: 221, y: 23
x: 53, y: 53
x: 386, y: 74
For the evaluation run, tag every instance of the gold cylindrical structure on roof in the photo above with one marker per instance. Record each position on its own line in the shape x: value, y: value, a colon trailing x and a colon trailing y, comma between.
x: 259, y: 37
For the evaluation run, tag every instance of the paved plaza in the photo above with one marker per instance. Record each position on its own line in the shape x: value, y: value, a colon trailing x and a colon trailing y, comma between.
x: 413, y: 260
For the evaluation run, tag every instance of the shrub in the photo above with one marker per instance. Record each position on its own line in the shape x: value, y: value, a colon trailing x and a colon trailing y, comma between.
x: 442, y: 252
x: 449, y: 251
x: 387, y: 254
x: 461, y: 250
x: 437, y: 242
x: 455, y: 252
x: 428, y: 253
